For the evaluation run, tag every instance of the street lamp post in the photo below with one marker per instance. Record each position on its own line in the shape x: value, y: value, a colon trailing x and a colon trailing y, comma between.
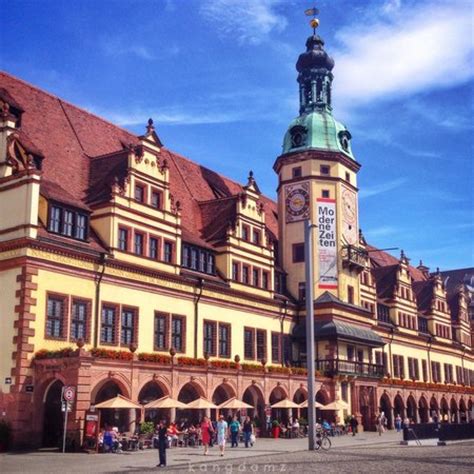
x: 309, y: 290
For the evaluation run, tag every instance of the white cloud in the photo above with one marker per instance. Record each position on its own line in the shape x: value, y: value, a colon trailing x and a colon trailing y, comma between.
x: 381, y: 231
x: 250, y: 21
x: 116, y: 47
x: 427, y: 46
x: 381, y: 188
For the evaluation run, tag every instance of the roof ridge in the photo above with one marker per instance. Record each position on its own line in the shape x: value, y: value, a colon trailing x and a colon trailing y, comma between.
x: 54, y: 96
x: 232, y: 196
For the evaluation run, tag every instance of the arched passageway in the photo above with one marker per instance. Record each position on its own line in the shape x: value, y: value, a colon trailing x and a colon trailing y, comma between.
x: 399, y: 406
x: 53, y: 424
x: 412, y: 412
x: 222, y: 393
x: 150, y: 392
x: 423, y: 412
x: 278, y: 394
x: 454, y: 411
x: 386, y: 408
x: 188, y: 393
x: 462, y: 411
x: 434, y: 408
x: 109, y: 417
x: 253, y: 396
x: 444, y: 410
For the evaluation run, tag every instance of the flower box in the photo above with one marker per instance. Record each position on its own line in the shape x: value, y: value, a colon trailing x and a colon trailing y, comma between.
x: 157, y: 358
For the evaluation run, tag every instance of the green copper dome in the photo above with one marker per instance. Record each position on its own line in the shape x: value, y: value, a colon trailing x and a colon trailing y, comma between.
x: 317, y: 130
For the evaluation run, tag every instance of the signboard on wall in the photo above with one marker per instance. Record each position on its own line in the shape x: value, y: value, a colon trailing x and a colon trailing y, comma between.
x: 327, y: 243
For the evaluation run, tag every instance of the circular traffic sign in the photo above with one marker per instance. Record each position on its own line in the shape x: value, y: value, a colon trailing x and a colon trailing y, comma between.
x: 69, y: 393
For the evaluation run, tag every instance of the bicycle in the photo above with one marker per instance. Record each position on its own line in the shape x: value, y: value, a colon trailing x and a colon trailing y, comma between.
x: 322, y: 441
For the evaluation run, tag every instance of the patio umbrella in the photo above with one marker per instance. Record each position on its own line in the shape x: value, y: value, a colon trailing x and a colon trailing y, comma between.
x: 119, y: 402
x: 336, y: 405
x: 316, y: 404
x: 234, y: 404
x: 200, y: 404
x: 286, y: 403
x: 165, y: 402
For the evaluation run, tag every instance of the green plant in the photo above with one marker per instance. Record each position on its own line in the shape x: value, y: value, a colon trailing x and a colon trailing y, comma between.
x: 147, y: 427
x: 275, y: 424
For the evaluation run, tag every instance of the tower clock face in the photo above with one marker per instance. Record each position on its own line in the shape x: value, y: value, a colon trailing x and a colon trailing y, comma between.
x: 349, y: 216
x: 297, y: 202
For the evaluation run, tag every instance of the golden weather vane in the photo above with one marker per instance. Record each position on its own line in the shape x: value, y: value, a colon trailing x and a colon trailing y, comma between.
x: 314, y: 21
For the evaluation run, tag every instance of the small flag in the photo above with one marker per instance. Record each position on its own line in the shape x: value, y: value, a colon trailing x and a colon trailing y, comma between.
x: 311, y: 12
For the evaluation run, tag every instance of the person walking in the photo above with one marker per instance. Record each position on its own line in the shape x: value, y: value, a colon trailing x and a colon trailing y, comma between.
x: 234, y: 432
x: 162, y: 431
x: 248, y: 431
x: 222, y: 433
x: 381, y: 423
x: 354, y: 424
x: 398, y: 423
x: 207, y: 432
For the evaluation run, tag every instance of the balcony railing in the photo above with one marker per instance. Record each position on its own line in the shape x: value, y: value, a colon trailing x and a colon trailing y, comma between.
x: 354, y: 258
x: 349, y: 367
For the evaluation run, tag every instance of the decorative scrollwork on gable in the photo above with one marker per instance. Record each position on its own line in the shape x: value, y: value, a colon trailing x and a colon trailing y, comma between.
x: 17, y: 156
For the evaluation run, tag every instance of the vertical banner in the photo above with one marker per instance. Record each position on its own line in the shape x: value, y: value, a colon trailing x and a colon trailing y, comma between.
x: 327, y: 243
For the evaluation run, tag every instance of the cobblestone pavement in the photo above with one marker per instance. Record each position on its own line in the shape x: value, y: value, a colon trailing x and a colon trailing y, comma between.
x: 363, y: 453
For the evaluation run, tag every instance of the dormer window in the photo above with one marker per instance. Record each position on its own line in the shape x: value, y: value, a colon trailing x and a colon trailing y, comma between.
x: 68, y: 222
x: 198, y: 259
x: 344, y: 138
x: 298, y: 136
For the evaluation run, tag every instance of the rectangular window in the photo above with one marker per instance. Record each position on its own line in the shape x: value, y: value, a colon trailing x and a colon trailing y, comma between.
x: 348, y: 177
x: 161, y: 332
x: 68, y: 223
x: 245, y: 274
x: 256, y: 237
x: 210, y: 264
x: 302, y: 291
x: 436, y: 372
x: 153, y: 248
x: 128, y: 327
x: 156, y: 199
x: 249, y: 343
x: 255, y: 277
x: 139, y: 193
x: 55, y: 317
x: 424, y: 370
x: 177, y: 332
x: 350, y: 352
x: 245, y: 233
x: 276, y: 347
x: 287, y: 349
x: 235, y: 271
x: 325, y: 193
x: 325, y: 170
x: 350, y: 294
x: 298, y: 253
x: 138, y: 243
x: 296, y: 172
x: 194, y: 259
x: 79, y: 320
x: 224, y: 340
x: 168, y: 252
x: 81, y: 227
x: 261, y: 344
x: 383, y: 313
x: 55, y: 219
x: 202, y: 261
x: 209, y: 342
x: 108, y: 325
x: 413, y: 370
x: 123, y: 239
x: 265, y: 280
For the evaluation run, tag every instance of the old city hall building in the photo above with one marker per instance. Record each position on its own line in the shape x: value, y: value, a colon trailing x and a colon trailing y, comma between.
x: 128, y: 269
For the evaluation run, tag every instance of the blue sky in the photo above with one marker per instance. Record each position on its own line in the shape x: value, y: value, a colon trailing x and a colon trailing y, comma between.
x: 218, y: 77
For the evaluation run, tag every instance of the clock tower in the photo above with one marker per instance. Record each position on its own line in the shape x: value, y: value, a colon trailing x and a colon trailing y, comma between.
x: 317, y: 175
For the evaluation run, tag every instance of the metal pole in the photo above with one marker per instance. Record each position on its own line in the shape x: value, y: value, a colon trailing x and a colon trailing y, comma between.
x: 309, y: 290
x: 66, y: 405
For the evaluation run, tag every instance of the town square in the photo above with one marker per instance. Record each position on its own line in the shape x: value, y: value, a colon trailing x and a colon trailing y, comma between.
x: 236, y: 236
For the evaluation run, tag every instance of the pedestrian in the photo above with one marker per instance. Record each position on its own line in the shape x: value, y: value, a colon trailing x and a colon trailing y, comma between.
x: 207, y: 431
x: 222, y: 433
x: 354, y: 424
x: 248, y: 431
x: 234, y: 432
x: 381, y: 423
x: 398, y: 423
x: 162, y: 431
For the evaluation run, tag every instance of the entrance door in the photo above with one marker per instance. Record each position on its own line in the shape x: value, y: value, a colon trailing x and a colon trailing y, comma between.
x: 53, y: 422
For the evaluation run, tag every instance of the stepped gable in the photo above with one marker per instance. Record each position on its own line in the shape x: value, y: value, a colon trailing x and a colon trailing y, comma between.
x: 424, y: 294
x: 74, y: 143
